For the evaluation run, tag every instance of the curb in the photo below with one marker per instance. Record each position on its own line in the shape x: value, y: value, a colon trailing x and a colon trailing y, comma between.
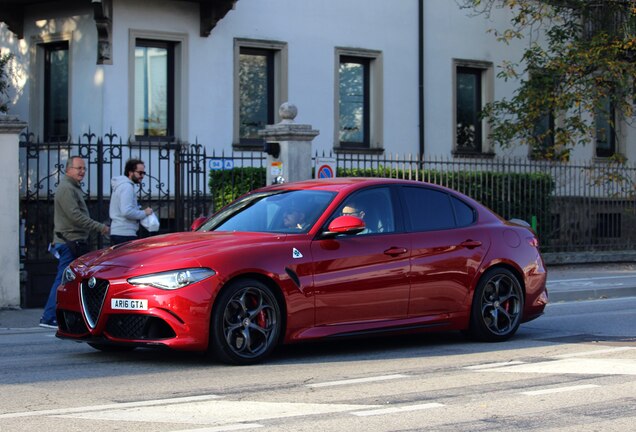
x: 591, y: 294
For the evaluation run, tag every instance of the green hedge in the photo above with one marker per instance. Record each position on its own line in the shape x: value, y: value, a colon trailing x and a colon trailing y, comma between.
x: 227, y: 185
x: 512, y: 195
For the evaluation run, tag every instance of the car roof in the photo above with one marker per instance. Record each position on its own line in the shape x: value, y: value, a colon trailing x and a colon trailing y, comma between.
x: 341, y: 183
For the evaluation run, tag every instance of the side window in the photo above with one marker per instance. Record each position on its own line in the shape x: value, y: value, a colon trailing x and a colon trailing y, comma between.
x: 428, y: 209
x: 374, y: 207
x: 464, y: 214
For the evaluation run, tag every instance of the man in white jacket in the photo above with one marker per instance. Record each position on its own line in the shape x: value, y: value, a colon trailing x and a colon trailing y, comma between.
x: 125, y: 212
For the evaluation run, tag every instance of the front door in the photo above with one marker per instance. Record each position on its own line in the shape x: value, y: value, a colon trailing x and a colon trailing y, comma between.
x: 363, y: 277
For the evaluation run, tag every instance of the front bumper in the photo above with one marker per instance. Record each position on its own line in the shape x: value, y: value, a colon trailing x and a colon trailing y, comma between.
x: 177, y: 319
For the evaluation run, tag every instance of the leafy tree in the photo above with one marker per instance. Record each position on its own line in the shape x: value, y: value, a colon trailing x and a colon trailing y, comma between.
x: 4, y: 82
x: 579, y: 66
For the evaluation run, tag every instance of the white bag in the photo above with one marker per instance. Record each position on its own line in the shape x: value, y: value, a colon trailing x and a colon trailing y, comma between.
x: 150, y: 222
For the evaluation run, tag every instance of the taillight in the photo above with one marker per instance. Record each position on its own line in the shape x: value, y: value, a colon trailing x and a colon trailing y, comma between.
x: 533, y: 241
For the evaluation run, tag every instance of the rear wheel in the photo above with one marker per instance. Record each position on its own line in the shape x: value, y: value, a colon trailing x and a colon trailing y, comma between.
x: 246, y: 323
x: 497, y: 306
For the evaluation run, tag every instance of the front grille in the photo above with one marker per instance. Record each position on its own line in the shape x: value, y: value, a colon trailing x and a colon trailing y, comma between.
x: 93, y: 299
x: 135, y: 326
x: 71, y: 322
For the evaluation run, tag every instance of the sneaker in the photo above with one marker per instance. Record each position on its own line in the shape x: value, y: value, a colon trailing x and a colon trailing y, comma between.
x: 49, y: 324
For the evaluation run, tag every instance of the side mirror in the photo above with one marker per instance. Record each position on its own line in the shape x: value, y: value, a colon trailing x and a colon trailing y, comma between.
x: 197, y: 223
x: 344, y: 225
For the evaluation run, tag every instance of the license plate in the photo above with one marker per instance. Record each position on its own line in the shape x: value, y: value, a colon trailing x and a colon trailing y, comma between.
x: 129, y: 304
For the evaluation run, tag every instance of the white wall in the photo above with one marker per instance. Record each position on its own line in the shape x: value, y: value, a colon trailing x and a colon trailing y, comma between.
x: 312, y: 31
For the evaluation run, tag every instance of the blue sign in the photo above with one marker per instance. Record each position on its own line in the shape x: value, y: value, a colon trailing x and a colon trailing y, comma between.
x: 221, y: 164
x: 216, y: 164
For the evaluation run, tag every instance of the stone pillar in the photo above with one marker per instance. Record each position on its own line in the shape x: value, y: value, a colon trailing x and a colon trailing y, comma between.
x: 288, y: 147
x: 10, y: 128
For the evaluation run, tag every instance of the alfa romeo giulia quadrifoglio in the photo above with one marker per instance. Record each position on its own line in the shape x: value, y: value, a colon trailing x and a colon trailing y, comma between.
x: 308, y: 260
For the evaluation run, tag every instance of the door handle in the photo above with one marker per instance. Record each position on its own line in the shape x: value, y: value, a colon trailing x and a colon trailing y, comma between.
x: 470, y: 244
x: 395, y: 251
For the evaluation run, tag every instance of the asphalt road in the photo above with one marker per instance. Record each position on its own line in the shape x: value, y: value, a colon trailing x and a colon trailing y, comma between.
x: 574, y: 369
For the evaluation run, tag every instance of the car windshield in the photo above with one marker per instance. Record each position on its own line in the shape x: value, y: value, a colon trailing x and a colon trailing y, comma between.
x: 280, y: 211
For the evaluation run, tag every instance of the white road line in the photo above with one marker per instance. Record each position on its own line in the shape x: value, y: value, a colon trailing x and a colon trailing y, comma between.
x: 84, y: 409
x: 594, y: 352
x: 589, y: 279
x: 559, y: 390
x: 218, y: 413
x: 358, y: 380
x: 232, y: 427
x: 493, y: 365
x: 577, y: 366
x: 401, y: 409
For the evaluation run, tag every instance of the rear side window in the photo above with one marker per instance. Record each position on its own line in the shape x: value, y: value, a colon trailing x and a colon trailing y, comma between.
x: 430, y: 209
x: 464, y: 214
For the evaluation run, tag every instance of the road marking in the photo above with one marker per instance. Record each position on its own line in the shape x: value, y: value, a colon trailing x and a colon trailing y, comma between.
x: 559, y: 390
x: 224, y: 428
x: 218, y: 413
x: 576, y: 366
x: 401, y: 409
x: 493, y: 365
x: 594, y: 352
x: 358, y: 380
x: 84, y: 409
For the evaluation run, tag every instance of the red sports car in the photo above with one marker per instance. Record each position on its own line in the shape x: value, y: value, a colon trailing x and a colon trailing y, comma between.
x: 308, y: 260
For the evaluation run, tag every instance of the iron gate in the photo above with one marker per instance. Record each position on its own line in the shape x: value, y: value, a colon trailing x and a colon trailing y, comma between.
x: 176, y: 187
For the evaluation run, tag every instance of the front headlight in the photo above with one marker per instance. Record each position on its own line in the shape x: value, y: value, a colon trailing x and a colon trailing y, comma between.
x: 174, y: 279
x: 68, y: 275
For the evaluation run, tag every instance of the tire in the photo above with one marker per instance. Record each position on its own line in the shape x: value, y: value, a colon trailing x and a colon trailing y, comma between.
x: 111, y: 348
x: 497, y: 306
x: 246, y: 324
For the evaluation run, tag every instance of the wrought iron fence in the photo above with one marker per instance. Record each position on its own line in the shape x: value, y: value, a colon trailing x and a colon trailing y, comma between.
x: 591, y: 205
x: 588, y: 207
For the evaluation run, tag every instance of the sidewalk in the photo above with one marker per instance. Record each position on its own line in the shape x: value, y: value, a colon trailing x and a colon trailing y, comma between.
x: 565, y: 283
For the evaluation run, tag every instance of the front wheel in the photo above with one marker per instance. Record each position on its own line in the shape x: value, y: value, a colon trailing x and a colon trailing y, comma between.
x: 246, y: 323
x: 497, y: 306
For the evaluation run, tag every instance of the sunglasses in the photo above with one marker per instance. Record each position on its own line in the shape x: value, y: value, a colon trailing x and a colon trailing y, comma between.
x: 141, y: 173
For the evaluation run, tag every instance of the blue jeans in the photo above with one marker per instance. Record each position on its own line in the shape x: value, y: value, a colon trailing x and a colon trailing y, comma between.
x: 66, y: 257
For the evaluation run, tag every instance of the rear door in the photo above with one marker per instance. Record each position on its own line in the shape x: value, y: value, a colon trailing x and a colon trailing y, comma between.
x: 447, y: 249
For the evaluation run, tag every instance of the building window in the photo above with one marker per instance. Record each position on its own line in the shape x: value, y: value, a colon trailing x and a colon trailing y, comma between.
x: 353, y: 102
x: 358, y: 100
x: 604, y: 118
x: 543, y: 133
x: 468, y: 110
x: 154, y: 89
x: 56, y: 84
x: 260, y: 88
x: 256, y: 93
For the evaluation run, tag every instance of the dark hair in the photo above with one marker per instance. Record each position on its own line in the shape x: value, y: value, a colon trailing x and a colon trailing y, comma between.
x: 131, y: 165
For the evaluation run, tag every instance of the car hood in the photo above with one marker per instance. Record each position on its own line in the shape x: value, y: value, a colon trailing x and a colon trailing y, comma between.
x: 176, y: 250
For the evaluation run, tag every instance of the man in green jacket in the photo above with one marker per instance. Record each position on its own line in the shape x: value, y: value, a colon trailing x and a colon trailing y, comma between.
x: 72, y: 227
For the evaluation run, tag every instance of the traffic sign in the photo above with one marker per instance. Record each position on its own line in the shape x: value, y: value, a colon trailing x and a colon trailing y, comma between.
x: 325, y: 167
